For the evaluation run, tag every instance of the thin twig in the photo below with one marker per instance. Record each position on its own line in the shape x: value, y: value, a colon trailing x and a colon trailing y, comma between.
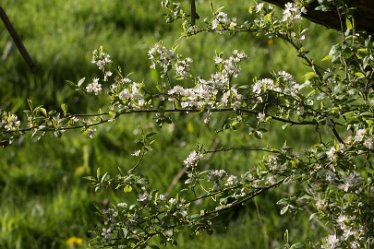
x: 239, y: 202
x: 125, y: 112
x: 182, y: 171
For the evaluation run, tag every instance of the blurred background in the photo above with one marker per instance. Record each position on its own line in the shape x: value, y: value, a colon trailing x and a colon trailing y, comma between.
x: 44, y: 200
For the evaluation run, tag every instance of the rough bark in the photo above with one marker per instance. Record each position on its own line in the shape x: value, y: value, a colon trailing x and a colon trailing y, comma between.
x: 363, y: 14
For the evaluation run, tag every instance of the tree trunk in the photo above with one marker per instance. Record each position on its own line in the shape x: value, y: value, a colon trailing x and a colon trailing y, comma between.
x: 363, y: 15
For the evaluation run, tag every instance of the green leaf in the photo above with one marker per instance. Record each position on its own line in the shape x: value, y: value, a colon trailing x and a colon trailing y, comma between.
x: 268, y: 18
x: 98, y: 173
x: 258, y: 134
x: 81, y: 81
x: 348, y: 24
x: 29, y: 102
x: 64, y: 108
x: 309, y: 75
x: 71, y: 83
x: 327, y: 57
x: 297, y: 245
x: 284, y: 209
x: 127, y: 189
x: 43, y: 111
x: 150, y: 134
x: 90, y: 178
x: 359, y: 75
x: 285, y: 236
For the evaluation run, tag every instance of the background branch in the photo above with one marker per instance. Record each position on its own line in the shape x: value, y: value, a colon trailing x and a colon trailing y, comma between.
x: 363, y: 14
x: 17, y: 40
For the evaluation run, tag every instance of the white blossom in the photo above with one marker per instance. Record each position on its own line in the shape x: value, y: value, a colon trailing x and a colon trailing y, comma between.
x: 369, y: 143
x: 320, y: 204
x: 220, y: 18
x: 352, y: 180
x: 94, y: 87
x: 182, y: 67
x: 74, y: 119
x: 136, y: 94
x: 215, y: 175
x: 331, y: 153
x: 179, y: 90
x: 172, y: 201
x: 161, y: 56
x: 136, y: 153
x: 231, y: 180
x: 263, y: 85
x: 10, y: 122
x: 261, y: 117
x: 192, y: 159
x: 125, y: 94
x: 107, y: 74
x: 162, y: 197
x: 332, y: 242
x: 360, y: 133
x: 143, y: 197
x: 91, y: 132
x: 292, y: 11
x: 236, y: 99
x: 259, y: 7
x: 101, y: 59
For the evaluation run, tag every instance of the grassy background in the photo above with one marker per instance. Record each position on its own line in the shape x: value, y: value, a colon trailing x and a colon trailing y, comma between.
x: 45, y: 201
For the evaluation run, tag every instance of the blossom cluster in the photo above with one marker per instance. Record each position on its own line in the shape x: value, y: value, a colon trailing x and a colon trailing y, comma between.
x: 205, y: 93
x: 284, y: 83
x: 101, y: 59
x: 293, y: 11
x: 9, y: 121
x: 94, y: 87
x: 221, y: 19
x: 192, y: 159
x: 162, y: 57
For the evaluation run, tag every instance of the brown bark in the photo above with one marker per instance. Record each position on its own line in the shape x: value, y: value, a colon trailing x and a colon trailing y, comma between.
x: 363, y: 14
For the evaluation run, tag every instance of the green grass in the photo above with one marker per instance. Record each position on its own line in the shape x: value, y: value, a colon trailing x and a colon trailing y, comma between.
x: 45, y: 200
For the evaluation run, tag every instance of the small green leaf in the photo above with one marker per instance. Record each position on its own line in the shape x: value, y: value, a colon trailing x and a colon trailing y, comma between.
x: 268, y: 18
x: 64, y: 108
x: 285, y: 236
x: 98, y: 173
x: 327, y: 57
x: 309, y: 75
x: 71, y: 83
x: 150, y: 134
x: 258, y: 134
x: 43, y: 111
x: 81, y: 81
x: 284, y: 209
x: 348, y: 24
x: 29, y: 102
x: 297, y: 245
x: 359, y: 75
x: 127, y: 189
x: 90, y: 178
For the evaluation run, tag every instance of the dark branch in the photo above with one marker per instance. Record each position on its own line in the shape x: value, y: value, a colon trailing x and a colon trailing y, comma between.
x: 363, y: 14
x: 194, y: 15
x: 17, y: 40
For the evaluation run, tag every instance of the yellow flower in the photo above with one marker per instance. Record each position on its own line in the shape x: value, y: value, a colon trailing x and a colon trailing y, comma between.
x: 72, y: 241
